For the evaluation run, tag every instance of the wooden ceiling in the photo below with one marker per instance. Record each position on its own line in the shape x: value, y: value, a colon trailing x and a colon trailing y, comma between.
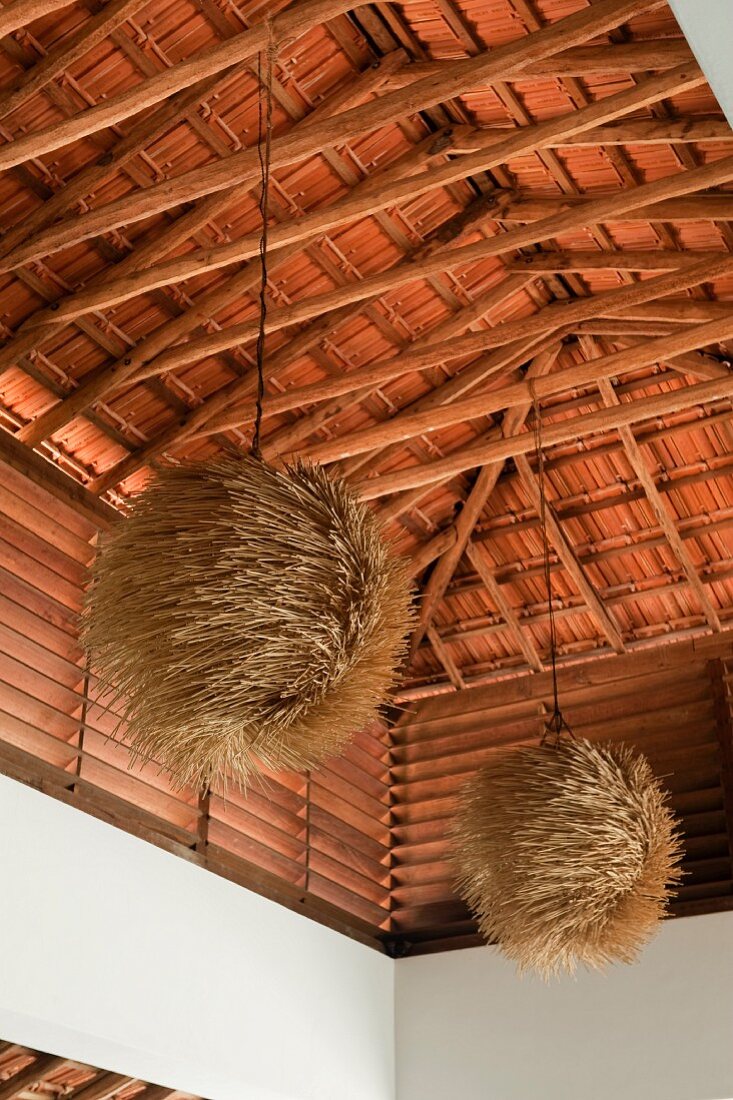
x: 27, y: 1073
x: 476, y: 204
x: 472, y: 203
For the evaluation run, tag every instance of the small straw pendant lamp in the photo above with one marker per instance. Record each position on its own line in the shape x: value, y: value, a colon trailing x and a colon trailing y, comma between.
x: 244, y: 616
x: 566, y: 852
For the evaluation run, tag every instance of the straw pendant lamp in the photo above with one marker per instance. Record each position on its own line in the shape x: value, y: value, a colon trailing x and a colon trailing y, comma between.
x: 244, y: 616
x: 566, y: 852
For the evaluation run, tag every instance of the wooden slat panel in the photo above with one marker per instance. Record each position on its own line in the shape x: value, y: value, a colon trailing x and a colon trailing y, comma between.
x: 667, y: 710
x: 44, y: 710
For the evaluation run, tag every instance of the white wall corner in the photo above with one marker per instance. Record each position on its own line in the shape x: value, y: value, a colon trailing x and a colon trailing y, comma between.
x: 708, y: 27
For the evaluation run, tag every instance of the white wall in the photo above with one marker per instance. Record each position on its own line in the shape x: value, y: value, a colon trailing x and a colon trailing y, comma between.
x: 708, y: 27
x: 469, y: 1028
x: 115, y: 953
x: 118, y: 954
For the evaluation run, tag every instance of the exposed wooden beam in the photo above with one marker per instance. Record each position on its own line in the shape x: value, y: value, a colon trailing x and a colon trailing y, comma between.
x: 521, y: 637
x: 120, y: 157
x: 289, y: 437
x: 505, y: 360
x: 398, y: 505
x: 431, y: 550
x: 93, y: 31
x: 473, y: 506
x: 648, y: 259
x: 370, y: 288
x: 500, y: 690
x: 659, y: 508
x: 21, y: 12
x: 360, y: 87
x: 638, y: 131
x: 443, y: 571
x: 292, y: 23
x: 446, y: 658
x: 704, y: 207
x: 464, y: 75
x: 203, y: 417
x: 569, y: 558
x: 517, y: 142
x: 554, y: 317
x: 629, y: 57
x: 407, y: 424
x: 685, y: 311
x: 607, y: 326
x: 468, y: 458
x: 505, y: 335
x: 181, y: 107
x: 94, y: 388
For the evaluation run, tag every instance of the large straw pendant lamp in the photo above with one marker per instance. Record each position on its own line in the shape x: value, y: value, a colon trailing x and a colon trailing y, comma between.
x: 566, y: 852
x: 245, y: 616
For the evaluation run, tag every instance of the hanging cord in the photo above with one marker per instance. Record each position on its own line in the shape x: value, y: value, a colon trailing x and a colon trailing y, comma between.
x: 556, y: 724
x: 264, y: 138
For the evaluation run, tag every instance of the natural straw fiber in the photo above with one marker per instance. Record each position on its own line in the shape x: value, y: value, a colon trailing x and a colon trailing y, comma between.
x: 566, y: 854
x: 243, y: 615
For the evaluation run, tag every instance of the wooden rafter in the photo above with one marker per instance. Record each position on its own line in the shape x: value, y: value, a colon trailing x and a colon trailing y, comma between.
x: 659, y: 508
x: 92, y: 390
x: 21, y: 12
x: 445, y: 657
x: 293, y: 22
x: 204, y: 418
x: 473, y: 506
x: 523, y: 208
x: 569, y: 558
x: 90, y: 34
x: 524, y: 140
x: 581, y: 61
x: 520, y: 636
x: 652, y: 259
x: 505, y: 361
x: 406, y: 425
x: 478, y: 453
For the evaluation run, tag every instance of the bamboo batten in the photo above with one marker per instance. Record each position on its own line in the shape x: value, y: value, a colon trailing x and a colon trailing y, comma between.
x: 567, y: 854
x: 245, y: 617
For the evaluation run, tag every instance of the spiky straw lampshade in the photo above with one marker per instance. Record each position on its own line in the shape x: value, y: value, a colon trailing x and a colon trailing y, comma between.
x: 244, y: 615
x: 566, y: 854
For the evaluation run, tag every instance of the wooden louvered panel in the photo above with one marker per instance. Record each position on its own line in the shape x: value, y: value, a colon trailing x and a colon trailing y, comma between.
x: 667, y: 708
x: 319, y: 842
